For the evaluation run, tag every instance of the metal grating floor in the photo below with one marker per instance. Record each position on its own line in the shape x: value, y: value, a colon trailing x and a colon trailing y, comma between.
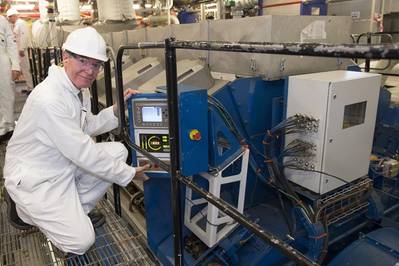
x: 117, y: 243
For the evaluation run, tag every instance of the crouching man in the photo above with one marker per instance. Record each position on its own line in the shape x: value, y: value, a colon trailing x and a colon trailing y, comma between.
x: 54, y: 172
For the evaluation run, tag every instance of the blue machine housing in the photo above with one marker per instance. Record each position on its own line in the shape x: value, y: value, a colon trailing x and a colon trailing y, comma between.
x: 254, y: 105
x: 380, y: 246
x: 251, y: 106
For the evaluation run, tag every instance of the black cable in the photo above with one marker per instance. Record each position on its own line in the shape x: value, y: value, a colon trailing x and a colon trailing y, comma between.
x: 286, y: 214
x: 279, y: 178
x: 225, y: 116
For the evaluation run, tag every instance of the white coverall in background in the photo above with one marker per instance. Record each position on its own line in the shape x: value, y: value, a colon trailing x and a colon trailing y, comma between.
x: 8, y: 62
x: 23, y: 38
x: 51, y: 160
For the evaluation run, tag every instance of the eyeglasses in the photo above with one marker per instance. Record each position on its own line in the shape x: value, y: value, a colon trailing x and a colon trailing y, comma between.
x: 87, y: 62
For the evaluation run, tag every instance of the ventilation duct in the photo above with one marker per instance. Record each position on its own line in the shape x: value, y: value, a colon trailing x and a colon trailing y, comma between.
x: 68, y: 10
x: 118, y: 10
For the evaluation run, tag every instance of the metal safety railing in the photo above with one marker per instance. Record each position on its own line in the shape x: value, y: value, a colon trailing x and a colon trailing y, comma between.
x: 40, y: 60
x: 390, y: 51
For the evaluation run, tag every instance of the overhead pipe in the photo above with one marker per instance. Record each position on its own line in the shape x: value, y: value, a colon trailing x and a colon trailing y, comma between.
x: 367, y: 67
x: 381, y: 51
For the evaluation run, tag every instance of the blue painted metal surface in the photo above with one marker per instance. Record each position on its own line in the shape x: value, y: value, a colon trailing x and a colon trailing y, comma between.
x: 186, y: 17
x: 254, y: 105
x: 315, y: 234
x: 380, y: 247
x: 314, y: 7
x: 386, y: 137
x: 193, y: 115
x: 223, y: 144
x: 158, y: 216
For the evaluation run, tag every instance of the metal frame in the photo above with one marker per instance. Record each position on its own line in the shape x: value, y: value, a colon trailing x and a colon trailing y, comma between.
x: 211, y: 234
x: 390, y: 51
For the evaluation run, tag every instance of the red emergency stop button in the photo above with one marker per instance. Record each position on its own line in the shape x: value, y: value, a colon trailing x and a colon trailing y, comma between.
x: 195, y: 134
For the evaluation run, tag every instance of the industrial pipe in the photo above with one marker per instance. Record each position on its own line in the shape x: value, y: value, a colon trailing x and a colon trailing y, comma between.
x: 382, y: 51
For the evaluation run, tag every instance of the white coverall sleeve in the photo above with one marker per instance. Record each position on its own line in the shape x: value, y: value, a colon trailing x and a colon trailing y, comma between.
x: 22, y: 33
x: 103, y: 122
x: 55, y: 124
x: 12, y: 49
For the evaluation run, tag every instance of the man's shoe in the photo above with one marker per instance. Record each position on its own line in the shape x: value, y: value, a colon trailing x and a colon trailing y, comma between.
x: 26, y: 92
x: 97, y: 218
x: 13, y: 217
x: 6, y: 136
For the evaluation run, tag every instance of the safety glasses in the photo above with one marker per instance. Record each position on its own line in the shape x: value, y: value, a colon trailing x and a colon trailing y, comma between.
x: 87, y: 62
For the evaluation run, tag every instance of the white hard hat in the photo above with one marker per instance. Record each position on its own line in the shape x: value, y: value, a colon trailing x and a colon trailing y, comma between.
x: 86, y: 42
x: 12, y: 11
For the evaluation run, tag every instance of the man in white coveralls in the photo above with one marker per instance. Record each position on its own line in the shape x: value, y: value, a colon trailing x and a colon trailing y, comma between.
x: 23, y: 38
x: 9, y: 71
x: 54, y: 171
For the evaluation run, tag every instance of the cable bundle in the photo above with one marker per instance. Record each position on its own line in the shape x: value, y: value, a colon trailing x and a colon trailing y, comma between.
x: 297, y: 123
x: 225, y: 116
x: 294, y: 124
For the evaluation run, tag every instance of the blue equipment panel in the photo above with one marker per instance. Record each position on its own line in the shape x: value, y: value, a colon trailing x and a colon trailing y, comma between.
x: 153, y: 135
x: 193, y: 122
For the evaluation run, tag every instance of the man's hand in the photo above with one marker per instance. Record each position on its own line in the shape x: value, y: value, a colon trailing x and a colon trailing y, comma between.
x: 21, y: 53
x: 126, y: 95
x: 128, y: 92
x: 140, y: 175
x: 14, y: 74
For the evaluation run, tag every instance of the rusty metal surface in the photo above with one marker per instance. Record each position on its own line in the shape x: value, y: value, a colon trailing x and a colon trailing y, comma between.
x: 307, y: 49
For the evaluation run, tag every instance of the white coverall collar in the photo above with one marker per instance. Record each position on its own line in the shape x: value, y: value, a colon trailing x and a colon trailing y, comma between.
x: 61, y: 76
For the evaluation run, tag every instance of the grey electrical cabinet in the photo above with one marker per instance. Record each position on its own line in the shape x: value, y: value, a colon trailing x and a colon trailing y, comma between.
x: 345, y: 105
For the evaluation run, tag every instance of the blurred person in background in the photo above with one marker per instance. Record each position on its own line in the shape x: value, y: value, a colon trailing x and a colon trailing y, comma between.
x: 23, y: 37
x: 9, y: 71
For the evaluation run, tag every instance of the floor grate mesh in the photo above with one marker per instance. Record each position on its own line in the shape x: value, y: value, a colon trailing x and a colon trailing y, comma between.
x: 117, y: 243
